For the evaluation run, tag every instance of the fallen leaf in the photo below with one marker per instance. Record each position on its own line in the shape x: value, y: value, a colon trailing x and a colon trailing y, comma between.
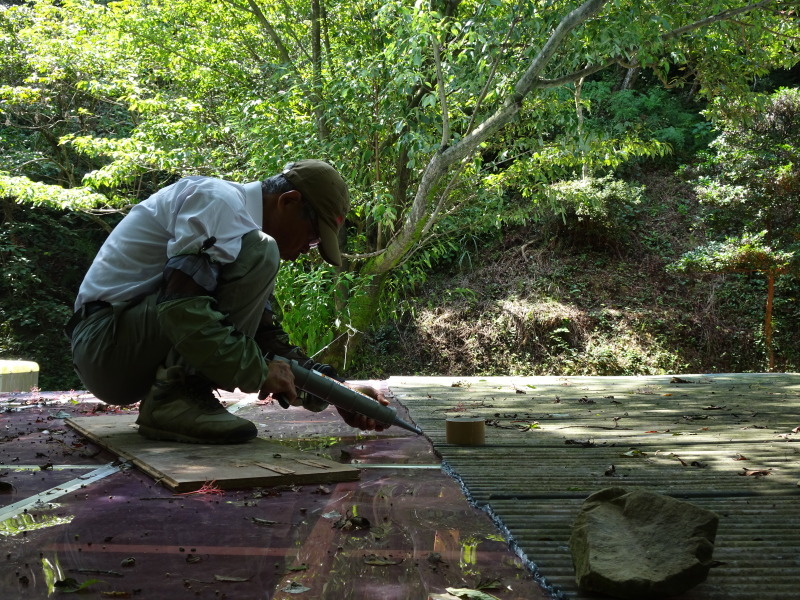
x: 295, y: 588
x: 380, y: 561
x: 489, y: 584
x: 258, y: 521
x: 230, y: 579
x: 469, y: 594
x: 634, y: 453
x: 755, y: 472
x: 434, y: 558
x: 740, y: 457
x: 71, y: 585
x: 348, y: 523
x: 586, y: 444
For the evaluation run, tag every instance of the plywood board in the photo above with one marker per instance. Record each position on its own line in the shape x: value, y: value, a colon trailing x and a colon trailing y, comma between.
x: 187, y: 467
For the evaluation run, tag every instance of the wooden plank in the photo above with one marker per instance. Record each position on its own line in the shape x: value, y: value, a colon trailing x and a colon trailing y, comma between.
x: 187, y: 467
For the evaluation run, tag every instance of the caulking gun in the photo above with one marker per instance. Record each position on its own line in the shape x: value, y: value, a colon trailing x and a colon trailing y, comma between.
x: 341, y: 396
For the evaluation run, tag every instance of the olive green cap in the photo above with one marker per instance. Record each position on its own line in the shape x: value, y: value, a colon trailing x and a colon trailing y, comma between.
x: 324, y: 188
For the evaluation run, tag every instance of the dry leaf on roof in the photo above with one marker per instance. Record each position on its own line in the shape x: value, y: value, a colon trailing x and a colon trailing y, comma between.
x: 231, y: 579
x: 381, y: 561
x: 295, y: 588
x: 755, y: 472
x: 469, y: 594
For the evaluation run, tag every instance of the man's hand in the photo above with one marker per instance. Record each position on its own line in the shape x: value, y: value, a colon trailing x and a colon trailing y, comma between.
x: 280, y: 380
x: 360, y: 421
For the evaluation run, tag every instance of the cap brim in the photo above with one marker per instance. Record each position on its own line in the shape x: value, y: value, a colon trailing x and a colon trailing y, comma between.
x: 329, y: 245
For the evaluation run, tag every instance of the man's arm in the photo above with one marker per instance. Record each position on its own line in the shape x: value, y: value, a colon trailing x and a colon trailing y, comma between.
x: 199, y: 332
x: 271, y: 337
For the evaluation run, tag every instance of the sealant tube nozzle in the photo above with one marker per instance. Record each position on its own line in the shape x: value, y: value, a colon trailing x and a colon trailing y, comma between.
x: 340, y: 395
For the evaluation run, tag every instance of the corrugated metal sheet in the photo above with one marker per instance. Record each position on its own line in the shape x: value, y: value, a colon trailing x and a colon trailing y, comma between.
x: 723, y: 442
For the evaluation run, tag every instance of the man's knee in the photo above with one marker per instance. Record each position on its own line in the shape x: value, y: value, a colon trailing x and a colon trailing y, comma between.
x: 116, y: 353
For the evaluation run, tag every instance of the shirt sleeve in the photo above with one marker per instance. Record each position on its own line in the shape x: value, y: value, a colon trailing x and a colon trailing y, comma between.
x: 211, y: 209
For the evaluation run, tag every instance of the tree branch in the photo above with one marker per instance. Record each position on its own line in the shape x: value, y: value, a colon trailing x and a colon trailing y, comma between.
x: 772, y: 31
x: 574, y: 76
x: 437, y: 59
x: 417, y: 218
x: 585, y: 72
x: 724, y: 15
x: 578, y: 16
x: 363, y: 256
x: 256, y: 11
x: 493, y: 70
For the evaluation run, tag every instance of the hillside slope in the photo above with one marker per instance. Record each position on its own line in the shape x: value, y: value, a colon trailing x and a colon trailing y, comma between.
x: 575, y: 298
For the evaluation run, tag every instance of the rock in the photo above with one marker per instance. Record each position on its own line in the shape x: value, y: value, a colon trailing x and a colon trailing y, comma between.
x: 639, y: 544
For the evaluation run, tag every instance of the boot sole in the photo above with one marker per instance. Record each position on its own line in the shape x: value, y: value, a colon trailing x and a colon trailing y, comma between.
x: 170, y: 436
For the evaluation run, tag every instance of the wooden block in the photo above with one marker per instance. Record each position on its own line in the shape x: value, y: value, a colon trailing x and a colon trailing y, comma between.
x: 186, y: 467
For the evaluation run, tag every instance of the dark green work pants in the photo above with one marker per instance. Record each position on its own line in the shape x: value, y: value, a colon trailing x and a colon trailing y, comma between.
x: 117, y: 350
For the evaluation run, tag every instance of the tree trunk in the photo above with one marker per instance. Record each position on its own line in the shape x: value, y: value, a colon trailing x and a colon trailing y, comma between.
x: 316, y: 59
x: 768, y: 319
x: 421, y: 216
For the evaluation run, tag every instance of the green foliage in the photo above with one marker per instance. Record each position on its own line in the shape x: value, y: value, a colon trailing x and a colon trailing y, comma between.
x: 605, y: 203
x: 654, y: 112
x: 749, y: 185
x: 53, y: 65
x: 752, y: 180
x: 751, y: 191
x: 44, y: 254
x: 307, y: 295
x: 737, y: 255
x: 24, y: 191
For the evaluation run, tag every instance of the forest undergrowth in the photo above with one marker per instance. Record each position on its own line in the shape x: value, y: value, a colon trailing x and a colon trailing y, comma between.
x: 557, y: 297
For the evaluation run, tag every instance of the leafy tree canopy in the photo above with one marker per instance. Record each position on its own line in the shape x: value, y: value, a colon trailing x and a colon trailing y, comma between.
x: 433, y: 111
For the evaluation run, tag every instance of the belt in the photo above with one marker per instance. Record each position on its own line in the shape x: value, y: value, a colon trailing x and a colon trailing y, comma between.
x: 83, y: 313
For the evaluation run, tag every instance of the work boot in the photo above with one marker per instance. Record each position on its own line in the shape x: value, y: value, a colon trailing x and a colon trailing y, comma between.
x: 184, y: 408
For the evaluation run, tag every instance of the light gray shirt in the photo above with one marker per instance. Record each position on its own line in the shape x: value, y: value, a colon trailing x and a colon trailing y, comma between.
x: 175, y: 220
